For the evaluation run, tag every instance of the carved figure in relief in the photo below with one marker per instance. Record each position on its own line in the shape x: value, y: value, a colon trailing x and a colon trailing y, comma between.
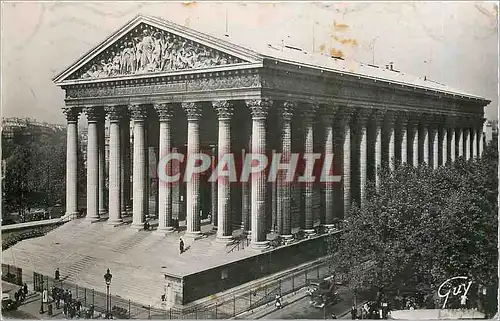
x: 138, y: 53
x: 147, y: 50
x: 157, y: 49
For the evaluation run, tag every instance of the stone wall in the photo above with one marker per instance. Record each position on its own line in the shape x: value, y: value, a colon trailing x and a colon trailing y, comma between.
x: 202, y: 284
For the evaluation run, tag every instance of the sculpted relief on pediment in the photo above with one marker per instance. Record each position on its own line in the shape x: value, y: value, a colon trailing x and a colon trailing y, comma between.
x: 147, y: 49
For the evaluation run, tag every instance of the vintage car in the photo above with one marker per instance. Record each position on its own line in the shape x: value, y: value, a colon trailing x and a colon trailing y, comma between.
x: 7, y: 302
x: 320, y: 301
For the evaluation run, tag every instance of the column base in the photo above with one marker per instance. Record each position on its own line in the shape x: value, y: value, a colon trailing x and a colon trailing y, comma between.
x: 259, y: 245
x: 137, y: 226
x: 287, y: 239
x: 192, y: 234
x: 224, y: 239
x: 92, y: 218
x: 165, y: 230
x: 309, y: 232
x: 103, y: 212
x: 329, y: 227
x: 71, y: 216
x: 114, y: 222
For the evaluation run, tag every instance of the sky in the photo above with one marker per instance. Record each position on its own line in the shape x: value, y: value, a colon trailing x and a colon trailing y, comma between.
x: 454, y: 43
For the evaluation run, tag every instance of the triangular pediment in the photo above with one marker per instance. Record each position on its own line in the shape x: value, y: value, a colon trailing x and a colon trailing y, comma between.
x: 148, y: 45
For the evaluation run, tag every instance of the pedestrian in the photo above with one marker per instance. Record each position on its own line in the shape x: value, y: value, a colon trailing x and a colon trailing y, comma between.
x: 463, y: 301
x: 16, y: 296
x: 65, y: 308
x: 70, y: 296
x: 181, y: 245
x: 25, y: 288
x: 353, y: 313
x: 57, y: 274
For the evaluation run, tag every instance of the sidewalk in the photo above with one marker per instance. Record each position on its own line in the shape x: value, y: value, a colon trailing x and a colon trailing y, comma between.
x: 31, y: 306
x: 341, y: 309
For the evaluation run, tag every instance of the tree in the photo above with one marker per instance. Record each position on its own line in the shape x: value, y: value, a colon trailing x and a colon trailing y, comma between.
x: 423, y: 226
x: 36, y: 169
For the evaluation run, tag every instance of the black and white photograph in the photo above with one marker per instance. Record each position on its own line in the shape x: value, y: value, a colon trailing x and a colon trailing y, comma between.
x: 249, y: 160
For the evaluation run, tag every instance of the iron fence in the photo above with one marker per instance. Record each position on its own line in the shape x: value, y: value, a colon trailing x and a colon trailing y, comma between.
x: 223, y: 308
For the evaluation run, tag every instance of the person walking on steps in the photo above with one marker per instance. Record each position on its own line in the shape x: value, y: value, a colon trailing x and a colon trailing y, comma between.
x: 181, y: 245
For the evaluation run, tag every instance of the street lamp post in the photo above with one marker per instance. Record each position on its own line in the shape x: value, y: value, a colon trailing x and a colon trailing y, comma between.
x: 107, y: 279
x: 41, y: 298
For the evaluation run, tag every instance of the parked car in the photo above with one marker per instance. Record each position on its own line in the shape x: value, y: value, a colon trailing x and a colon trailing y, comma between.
x: 8, y: 303
x: 320, y: 301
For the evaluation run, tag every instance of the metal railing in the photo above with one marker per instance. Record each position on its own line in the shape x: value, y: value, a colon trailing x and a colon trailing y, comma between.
x: 223, y: 308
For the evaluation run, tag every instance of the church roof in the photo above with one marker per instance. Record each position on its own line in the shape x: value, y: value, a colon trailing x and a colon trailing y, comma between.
x: 242, y: 51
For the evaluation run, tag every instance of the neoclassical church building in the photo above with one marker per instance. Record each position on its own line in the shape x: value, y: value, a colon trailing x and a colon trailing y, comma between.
x: 170, y: 88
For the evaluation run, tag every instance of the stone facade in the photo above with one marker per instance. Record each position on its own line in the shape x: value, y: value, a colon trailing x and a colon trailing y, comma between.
x: 221, y: 98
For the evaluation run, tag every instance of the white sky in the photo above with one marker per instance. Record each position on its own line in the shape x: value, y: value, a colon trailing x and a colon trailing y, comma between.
x: 453, y: 43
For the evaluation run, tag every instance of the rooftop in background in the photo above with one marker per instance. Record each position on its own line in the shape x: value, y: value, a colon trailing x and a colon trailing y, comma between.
x: 295, y: 55
x: 256, y: 50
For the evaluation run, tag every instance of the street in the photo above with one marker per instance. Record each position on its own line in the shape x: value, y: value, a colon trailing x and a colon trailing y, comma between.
x: 301, y: 309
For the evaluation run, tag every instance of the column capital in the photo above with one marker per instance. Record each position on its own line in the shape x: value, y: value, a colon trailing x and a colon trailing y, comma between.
x: 72, y: 113
x: 192, y: 109
x: 164, y: 111
x: 287, y: 109
x: 138, y: 112
x: 390, y: 117
x: 404, y: 117
x: 115, y: 113
x: 259, y: 107
x: 328, y: 113
x: 224, y: 109
x: 378, y: 115
x: 94, y: 113
x: 308, y: 110
x: 344, y: 114
x: 363, y: 115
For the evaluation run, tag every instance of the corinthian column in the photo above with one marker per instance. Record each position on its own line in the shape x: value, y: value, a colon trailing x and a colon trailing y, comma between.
x: 413, y: 143
x: 424, y: 141
x: 224, y: 111
x: 459, y: 152
x: 309, y: 111
x: 451, y: 137
x: 139, y: 115
x: 466, y: 143
x: 344, y: 146
x: 479, y: 139
x: 473, y: 143
x: 115, y: 114
x: 93, y: 116
x: 72, y: 162
x: 101, y: 141
x: 213, y: 162
x: 165, y: 114
x: 327, y: 116
x: 245, y: 193
x: 390, y: 119
x: 403, y: 123
x: 361, y: 119
x: 193, y: 112
x: 443, y: 144
x: 433, y: 131
x: 125, y: 162
x: 284, y: 210
x: 378, y: 120
x: 259, y: 109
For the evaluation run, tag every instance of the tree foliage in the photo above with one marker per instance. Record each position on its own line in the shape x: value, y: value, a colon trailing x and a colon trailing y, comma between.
x: 35, y: 169
x: 423, y: 226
